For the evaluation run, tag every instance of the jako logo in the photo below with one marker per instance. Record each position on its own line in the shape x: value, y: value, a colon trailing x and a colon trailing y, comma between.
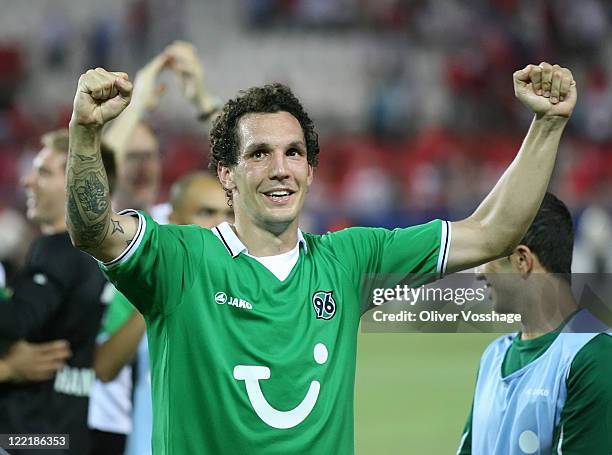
x: 221, y: 298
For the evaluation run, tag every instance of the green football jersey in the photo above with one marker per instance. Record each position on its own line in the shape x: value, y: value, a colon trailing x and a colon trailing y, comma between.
x: 242, y: 362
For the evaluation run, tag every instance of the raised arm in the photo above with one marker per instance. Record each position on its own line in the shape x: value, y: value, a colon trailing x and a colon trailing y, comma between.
x: 147, y: 92
x: 183, y: 59
x: 93, y: 227
x: 501, y: 220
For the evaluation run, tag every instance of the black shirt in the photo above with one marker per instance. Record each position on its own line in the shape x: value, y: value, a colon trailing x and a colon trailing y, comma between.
x: 56, y: 296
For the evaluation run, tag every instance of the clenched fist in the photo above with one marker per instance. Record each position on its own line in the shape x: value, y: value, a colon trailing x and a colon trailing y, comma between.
x: 101, y: 96
x: 548, y: 90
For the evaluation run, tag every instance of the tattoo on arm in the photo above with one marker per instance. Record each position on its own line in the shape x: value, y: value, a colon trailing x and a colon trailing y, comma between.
x: 88, y: 200
x: 84, y: 158
x: 116, y: 227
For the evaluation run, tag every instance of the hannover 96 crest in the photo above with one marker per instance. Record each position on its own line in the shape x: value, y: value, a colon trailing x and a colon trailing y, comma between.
x: 324, y: 304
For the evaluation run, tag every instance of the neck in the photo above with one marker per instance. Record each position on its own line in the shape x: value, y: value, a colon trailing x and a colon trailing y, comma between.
x: 550, y: 303
x: 262, y: 241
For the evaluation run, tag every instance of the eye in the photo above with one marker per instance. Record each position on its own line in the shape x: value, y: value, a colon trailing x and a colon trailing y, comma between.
x: 258, y: 154
x: 294, y: 152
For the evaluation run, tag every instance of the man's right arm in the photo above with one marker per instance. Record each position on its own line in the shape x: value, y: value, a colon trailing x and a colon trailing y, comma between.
x: 101, y: 96
x: 119, y: 349
x: 145, y: 98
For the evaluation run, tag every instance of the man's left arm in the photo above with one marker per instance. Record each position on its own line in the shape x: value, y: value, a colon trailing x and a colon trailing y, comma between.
x: 586, y: 417
x: 501, y: 220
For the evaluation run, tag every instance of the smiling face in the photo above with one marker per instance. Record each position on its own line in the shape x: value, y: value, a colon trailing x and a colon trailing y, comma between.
x: 270, y: 181
x: 44, y: 186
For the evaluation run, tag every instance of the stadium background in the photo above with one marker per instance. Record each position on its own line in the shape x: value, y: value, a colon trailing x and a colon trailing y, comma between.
x: 414, y: 104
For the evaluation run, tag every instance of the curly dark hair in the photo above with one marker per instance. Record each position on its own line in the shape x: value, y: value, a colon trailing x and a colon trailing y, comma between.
x: 270, y: 98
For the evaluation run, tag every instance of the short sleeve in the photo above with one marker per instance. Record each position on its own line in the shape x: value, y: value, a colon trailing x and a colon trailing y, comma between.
x: 377, y: 257
x: 158, y: 266
x: 416, y: 249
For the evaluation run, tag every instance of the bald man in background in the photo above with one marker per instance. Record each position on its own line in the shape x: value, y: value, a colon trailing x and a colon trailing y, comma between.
x: 198, y: 198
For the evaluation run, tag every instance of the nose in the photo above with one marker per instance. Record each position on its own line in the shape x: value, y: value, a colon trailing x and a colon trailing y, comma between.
x: 278, y: 166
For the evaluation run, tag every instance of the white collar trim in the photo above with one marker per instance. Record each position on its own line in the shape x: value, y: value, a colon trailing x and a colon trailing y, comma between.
x: 234, y: 245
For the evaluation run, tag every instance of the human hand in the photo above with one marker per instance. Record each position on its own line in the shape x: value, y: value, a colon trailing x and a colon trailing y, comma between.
x: 36, y: 361
x: 147, y: 92
x: 100, y: 97
x: 184, y: 60
x: 548, y: 90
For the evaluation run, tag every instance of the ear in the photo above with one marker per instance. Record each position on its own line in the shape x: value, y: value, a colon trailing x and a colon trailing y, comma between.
x: 226, y: 177
x: 310, y: 176
x: 523, y: 260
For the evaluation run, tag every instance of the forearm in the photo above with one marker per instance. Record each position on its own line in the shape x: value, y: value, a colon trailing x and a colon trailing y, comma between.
x: 145, y: 98
x: 507, y: 211
x: 119, y: 349
x: 88, y: 210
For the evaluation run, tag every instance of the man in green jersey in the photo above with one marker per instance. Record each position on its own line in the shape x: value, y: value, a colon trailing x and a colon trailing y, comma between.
x: 547, y: 389
x: 252, y: 327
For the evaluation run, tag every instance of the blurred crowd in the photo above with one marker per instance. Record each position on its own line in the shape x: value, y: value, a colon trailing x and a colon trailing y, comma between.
x: 436, y: 121
x: 428, y: 145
